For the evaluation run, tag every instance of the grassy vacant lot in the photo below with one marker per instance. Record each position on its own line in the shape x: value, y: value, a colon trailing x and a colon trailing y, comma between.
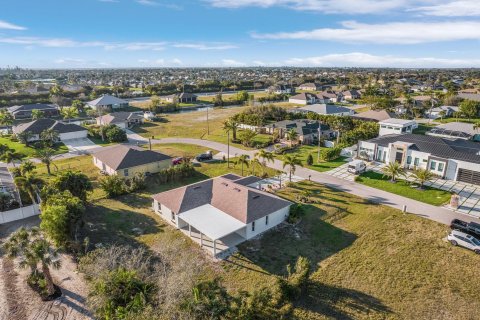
x: 429, y: 195
x: 29, y: 151
x: 322, y: 166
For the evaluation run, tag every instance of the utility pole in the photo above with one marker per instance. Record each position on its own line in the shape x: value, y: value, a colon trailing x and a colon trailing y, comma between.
x: 228, y: 149
x: 319, y: 135
x: 208, y: 125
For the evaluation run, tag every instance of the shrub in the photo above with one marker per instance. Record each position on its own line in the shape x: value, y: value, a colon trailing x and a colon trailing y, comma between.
x: 297, y: 280
x: 310, y: 159
x: 296, y: 212
x: 113, y: 186
x: 329, y: 154
x: 115, y: 134
x: 137, y: 182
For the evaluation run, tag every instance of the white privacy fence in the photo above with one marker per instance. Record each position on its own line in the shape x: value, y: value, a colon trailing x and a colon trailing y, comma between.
x: 20, y: 213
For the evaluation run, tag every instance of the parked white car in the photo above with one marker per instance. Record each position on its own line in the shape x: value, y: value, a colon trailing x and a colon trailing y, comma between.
x: 458, y: 238
x: 356, y: 166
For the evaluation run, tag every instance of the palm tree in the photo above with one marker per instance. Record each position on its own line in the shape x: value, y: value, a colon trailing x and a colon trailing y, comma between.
x: 4, y: 148
x: 292, y: 136
x: 70, y: 113
x: 27, y: 167
x: 29, y: 184
x: 6, y: 119
x: 46, y: 156
x: 423, y: 175
x: 292, y: 161
x: 255, y: 161
x: 24, y: 137
x: 266, y: 157
x: 231, y: 125
x: 47, y: 257
x: 10, y: 156
x: 49, y: 136
x: 18, y: 246
x: 243, y: 160
x: 37, y: 114
x: 393, y: 170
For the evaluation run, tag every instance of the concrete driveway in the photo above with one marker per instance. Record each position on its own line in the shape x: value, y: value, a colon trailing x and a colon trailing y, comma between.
x: 80, y: 146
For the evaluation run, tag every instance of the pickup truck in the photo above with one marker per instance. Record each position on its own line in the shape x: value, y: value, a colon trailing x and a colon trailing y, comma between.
x: 472, y: 228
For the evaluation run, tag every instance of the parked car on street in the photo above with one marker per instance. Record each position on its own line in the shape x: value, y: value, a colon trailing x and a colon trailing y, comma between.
x: 356, y: 166
x: 204, y: 156
x: 459, y: 238
x: 472, y: 228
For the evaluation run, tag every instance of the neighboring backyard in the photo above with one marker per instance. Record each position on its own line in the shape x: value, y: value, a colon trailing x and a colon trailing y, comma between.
x: 30, y: 151
x: 304, y: 150
x: 428, y: 195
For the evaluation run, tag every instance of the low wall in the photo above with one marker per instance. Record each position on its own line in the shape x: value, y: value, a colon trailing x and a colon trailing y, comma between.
x: 20, y: 213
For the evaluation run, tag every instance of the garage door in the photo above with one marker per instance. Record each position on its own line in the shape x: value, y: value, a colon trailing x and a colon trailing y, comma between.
x: 468, y: 176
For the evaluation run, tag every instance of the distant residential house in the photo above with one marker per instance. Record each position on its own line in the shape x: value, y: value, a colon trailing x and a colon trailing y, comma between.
x: 307, y: 130
x: 183, y: 97
x: 445, y: 111
x: 66, y: 131
x: 396, y: 126
x: 374, y: 115
x: 455, y: 130
x: 108, y: 102
x: 304, y: 98
x: 351, y: 95
x: 125, y: 161
x: 469, y: 96
x: 25, y: 111
x: 72, y: 87
x: 326, y: 109
x: 310, y: 87
x: 222, y: 212
x: 123, y: 120
x: 329, y: 97
x: 280, y: 89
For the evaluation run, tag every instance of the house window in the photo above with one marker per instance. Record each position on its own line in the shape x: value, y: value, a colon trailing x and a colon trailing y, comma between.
x: 125, y: 172
x: 409, y: 160
x: 253, y: 226
x: 173, y: 216
x: 433, y: 165
x: 440, y: 166
x: 266, y: 220
x: 416, y: 161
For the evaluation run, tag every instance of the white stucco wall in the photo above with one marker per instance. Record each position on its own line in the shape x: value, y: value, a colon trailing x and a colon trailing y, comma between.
x: 274, y: 219
x: 298, y: 101
x: 151, y: 167
x: 73, y: 135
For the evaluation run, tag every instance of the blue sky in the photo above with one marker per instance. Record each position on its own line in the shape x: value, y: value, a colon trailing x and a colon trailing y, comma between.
x: 185, y: 33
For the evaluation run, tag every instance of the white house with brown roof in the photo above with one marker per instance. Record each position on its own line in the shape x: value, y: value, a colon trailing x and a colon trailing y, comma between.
x: 123, y: 120
x: 125, y: 161
x: 222, y: 212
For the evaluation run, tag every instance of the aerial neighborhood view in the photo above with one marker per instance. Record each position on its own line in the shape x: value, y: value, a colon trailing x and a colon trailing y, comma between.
x: 239, y: 159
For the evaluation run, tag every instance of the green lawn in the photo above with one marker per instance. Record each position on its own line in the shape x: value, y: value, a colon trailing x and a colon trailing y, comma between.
x: 447, y: 120
x: 322, y: 166
x: 429, y: 195
x: 29, y: 151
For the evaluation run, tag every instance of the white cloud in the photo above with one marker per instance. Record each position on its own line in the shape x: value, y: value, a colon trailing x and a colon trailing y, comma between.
x: 10, y: 26
x: 203, y: 46
x: 358, y: 59
x: 177, y: 61
x: 390, y: 33
x: 232, y: 63
x: 461, y: 8
x: 69, y: 61
x: 326, y: 6
x: 147, y: 2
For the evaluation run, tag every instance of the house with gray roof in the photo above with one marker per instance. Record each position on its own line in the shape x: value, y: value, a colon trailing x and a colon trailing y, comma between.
x: 24, y: 111
x: 125, y: 161
x: 183, y: 97
x: 326, y: 109
x: 455, y: 130
x: 307, y: 130
x: 222, y: 212
x: 123, y: 120
x: 108, y: 102
x: 452, y: 159
x: 66, y: 131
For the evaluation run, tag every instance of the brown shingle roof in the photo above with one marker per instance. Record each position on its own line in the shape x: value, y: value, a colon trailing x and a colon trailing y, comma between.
x: 240, y: 202
x: 123, y: 156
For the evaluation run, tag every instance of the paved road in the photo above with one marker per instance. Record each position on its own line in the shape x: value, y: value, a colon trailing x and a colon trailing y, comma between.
x: 438, y: 214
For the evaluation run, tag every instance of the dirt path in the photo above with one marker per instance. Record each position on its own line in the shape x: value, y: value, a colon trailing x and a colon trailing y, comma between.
x: 12, y: 309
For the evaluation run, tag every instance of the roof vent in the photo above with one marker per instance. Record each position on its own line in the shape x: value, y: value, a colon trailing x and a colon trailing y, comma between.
x: 225, y: 184
x: 197, y: 187
x: 236, y: 189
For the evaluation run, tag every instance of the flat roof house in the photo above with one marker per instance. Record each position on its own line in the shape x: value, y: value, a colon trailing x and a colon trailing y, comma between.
x: 123, y: 120
x: 326, y: 109
x: 456, y: 159
x: 125, y: 161
x: 396, y: 126
x: 222, y: 212
x: 25, y: 111
x: 66, y: 131
x: 108, y: 102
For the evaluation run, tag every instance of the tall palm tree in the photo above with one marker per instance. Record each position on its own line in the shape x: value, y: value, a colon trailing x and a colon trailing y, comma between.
x: 47, y: 257
x: 24, y: 137
x: 292, y: 161
x: 18, y: 245
x: 49, y: 136
x: 46, y: 156
x: 10, y: 156
x: 266, y: 157
x: 393, y: 170
x: 27, y: 167
x: 243, y: 160
x: 6, y: 119
x: 29, y: 184
x: 255, y: 161
x: 292, y: 136
x: 423, y: 175
x: 69, y: 113
x: 37, y: 114
x: 231, y: 125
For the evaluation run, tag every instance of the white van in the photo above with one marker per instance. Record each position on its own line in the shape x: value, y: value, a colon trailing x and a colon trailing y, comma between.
x: 356, y: 166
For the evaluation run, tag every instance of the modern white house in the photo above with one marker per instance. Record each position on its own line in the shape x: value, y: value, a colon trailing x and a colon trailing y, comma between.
x: 125, y: 161
x: 222, y: 212
x: 108, y: 102
x: 66, y: 131
x: 450, y: 159
x: 396, y: 126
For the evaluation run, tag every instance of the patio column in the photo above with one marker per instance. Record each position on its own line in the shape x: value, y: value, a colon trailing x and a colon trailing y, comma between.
x: 189, y: 230
x: 201, y: 239
x: 214, y: 248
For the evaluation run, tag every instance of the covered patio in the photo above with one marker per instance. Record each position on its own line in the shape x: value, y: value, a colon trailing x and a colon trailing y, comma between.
x: 216, y: 232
